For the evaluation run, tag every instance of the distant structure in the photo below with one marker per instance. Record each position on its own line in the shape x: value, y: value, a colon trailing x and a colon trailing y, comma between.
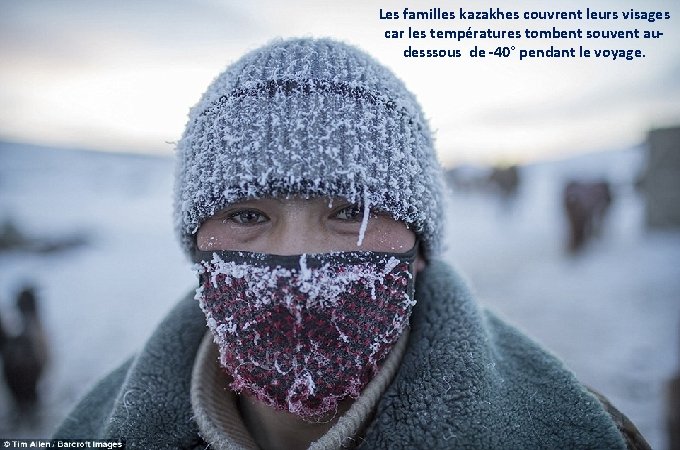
x: 468, y: 178
x: 501, y: 180
x: 661, y: 180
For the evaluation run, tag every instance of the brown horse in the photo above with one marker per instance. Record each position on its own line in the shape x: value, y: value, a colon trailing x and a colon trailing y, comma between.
x: 586, y: 204
x: 673, y: 410
x: 506, y: 179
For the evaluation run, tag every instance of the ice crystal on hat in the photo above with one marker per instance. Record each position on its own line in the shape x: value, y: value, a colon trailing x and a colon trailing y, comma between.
x: 312, y: 118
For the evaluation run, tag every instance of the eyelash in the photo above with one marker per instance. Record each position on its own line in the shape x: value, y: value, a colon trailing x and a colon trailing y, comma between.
x: 356, y: 210
x: 233, y: 216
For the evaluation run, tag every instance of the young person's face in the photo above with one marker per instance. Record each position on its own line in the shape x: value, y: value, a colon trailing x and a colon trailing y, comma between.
x: 295, y: 226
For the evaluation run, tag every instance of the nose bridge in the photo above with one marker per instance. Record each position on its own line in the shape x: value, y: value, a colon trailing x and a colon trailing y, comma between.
x: 296, y: 233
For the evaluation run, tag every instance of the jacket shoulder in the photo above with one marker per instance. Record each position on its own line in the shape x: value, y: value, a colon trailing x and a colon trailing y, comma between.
x: 631, y: 435
x: 93, y: 410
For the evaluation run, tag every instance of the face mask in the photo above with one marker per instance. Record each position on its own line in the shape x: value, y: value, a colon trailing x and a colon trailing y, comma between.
x: 301, y: 333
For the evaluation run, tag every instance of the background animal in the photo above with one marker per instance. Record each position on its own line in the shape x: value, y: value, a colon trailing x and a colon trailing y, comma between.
x: 586, y: 204
x: 506, y: 179
x: 673, y: 410
x: 25, y: 355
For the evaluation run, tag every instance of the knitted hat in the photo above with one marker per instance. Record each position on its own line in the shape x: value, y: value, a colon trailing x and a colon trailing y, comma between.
x: 312, y: 118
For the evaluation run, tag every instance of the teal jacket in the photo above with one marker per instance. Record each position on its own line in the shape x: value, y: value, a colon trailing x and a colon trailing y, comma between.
x: 467, y: 380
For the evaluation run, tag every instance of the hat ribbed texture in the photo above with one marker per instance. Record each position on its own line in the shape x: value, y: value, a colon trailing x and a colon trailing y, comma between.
x: 309, y: 117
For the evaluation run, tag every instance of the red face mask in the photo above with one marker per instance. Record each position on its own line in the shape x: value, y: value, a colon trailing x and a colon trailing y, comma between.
x: 301, y: 333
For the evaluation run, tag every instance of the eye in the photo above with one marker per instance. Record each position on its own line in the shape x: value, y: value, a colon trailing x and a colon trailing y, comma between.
x: 352, y: 213
x: 247, y: 217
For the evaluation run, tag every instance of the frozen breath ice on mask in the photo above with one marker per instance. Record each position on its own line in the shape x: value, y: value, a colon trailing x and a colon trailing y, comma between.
x: 318, y: 280
x: 308, y: 117
x: 300, y: 333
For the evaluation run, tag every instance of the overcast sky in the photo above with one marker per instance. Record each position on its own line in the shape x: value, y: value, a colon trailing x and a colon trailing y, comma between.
x: 122, y: 75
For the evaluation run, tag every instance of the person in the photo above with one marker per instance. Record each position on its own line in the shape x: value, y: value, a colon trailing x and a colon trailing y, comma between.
x: 309, y: 196
x: 25, y: 356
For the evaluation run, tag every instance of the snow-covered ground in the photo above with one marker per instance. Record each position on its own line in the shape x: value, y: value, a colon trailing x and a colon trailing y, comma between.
x: 612, y: 313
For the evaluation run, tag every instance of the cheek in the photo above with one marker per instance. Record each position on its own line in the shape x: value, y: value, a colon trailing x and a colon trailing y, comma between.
x: 206, y: 238
x: 389, y: 235
x: 216, y: 235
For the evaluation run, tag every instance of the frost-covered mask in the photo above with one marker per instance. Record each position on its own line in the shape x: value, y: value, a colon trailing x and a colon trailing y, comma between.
x: 301, y: 333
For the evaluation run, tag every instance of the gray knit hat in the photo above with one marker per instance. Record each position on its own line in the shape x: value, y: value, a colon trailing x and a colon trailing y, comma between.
x: 310, y: 117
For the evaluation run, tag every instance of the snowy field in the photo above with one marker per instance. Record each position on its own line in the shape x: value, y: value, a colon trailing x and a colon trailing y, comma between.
x: 611, y: 313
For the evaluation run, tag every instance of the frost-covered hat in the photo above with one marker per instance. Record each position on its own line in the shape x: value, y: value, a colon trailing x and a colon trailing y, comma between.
x: 309, y: 117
